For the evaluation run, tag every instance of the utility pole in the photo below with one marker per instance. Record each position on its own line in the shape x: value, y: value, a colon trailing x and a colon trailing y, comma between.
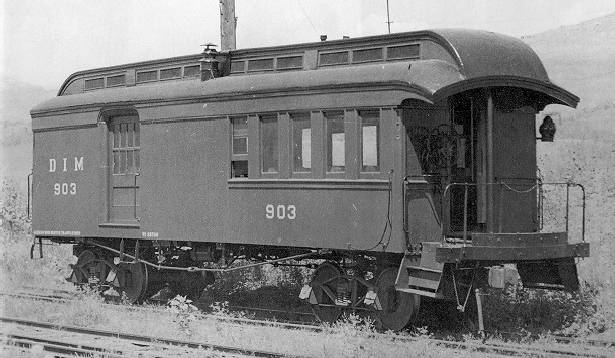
x: 388, y: 17
x: 228, y: 24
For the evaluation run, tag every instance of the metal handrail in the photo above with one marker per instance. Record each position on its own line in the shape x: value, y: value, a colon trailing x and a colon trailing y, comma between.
x: 29, y: 194
x: 539, y: 184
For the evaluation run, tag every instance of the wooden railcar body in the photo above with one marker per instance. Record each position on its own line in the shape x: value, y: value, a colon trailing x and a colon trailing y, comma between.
x: 309, y: 146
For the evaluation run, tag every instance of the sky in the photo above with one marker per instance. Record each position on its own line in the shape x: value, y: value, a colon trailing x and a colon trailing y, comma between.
x: 43, y: 42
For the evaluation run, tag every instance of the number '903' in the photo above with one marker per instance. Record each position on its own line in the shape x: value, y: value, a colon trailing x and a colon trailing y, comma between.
x: 64, y: 189
x: 280, y: 212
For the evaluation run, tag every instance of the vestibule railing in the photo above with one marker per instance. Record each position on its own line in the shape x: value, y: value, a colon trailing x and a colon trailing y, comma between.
x: 503, y: 186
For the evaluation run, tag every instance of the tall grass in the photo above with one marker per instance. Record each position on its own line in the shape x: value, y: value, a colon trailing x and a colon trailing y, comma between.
x: 17, y: 269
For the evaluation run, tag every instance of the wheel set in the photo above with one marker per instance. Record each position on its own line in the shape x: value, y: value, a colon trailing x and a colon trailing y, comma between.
x: 125, y: 280
x: 334, y: 292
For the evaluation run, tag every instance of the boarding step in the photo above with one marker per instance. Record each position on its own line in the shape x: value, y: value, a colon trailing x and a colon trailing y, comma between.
x: 421, y: 275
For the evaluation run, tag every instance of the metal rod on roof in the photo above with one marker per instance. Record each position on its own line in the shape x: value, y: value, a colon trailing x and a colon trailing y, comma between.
x: 388, y: 17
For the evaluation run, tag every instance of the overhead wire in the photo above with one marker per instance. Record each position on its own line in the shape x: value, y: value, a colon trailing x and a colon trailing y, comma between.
x: 307, y: 16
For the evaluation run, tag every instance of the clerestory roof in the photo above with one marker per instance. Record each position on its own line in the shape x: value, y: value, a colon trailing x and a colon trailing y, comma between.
x: 476, y: 59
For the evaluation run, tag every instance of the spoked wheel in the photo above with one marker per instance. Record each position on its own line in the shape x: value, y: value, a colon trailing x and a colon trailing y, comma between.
x: 324, y: 287
x: 133, y: 279
x: 89, y: 270
x: 398, y: 308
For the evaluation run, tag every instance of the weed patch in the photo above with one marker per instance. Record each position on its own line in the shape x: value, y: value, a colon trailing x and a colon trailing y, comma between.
x: 18, y: 270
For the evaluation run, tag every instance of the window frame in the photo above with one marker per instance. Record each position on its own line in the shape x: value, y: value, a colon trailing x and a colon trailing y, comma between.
x: 289, y: 68
x: 139, y: 71
x: 328, y: 154
x: 242, y: 156
x: 114, y: 207
x: 387, y: 51
x: 247, y: 68
x: 126, y: 148
x: 332, y: 52
x: 99, y: 78
x: 378, y: 116
x: 261, y: 156
x: 307, y: 116
x: 355, y: 61
x: 115, y: 75
x: 195, y: 75
x: 168, y: 68
x: 320, y: 150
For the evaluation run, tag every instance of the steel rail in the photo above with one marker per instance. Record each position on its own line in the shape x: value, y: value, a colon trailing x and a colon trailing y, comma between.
x: 591, y: 341
x: 17, y: 351
x: 501, y: 348
x: 228, y: 319
x: 61, y: 347
x: 302, y: 318
x: 146, y: 339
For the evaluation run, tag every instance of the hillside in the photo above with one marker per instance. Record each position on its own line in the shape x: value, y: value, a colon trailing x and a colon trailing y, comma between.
x: 17, y: 99
x: 15, y: 126
x: 581, y: 58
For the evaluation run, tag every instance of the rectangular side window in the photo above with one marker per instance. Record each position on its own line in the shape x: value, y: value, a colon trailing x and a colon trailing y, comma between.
x: 334, y: 58
x: 264, y: 64
x: 170, y: 73
x: 94, y: 83
x: 367, y: 55
x: 126, y: 146
x: 291, y: 62
x: 238, y: 66
x: 302, y: 142
x: 239, y: 162
x: 269, y: 143
x: 147, y: 76
x: 336, y: 142
x: 240, y: 135
x: 240, y: 169
x: 192, y: 71
x: 370, y: 144
x: 405, y: 51
x: 118, y: 80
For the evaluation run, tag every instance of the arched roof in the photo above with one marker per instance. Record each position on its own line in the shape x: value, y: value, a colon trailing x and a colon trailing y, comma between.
x: 481, y: 59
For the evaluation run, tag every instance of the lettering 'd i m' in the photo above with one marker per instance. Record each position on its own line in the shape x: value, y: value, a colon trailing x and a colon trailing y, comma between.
x: 78, y: 164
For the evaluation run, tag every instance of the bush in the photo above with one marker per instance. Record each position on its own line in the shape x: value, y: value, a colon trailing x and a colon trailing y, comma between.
x: 537, y: 312
x: 13, y: 209
x: 16, y: 268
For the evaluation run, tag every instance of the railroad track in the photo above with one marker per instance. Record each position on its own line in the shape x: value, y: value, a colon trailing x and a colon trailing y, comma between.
x: 301, y: 318
x: 68, y: 348
x: 306, y: 318
x: 228, y: 319
x: 58, y: 347
x: 597, y: 348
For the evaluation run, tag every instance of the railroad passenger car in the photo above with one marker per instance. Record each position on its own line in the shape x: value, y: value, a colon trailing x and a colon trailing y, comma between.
x: 405, y: 163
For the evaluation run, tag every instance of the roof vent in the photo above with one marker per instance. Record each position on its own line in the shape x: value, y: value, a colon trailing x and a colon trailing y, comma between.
x: 209, y: 63
x: 323, y: 37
